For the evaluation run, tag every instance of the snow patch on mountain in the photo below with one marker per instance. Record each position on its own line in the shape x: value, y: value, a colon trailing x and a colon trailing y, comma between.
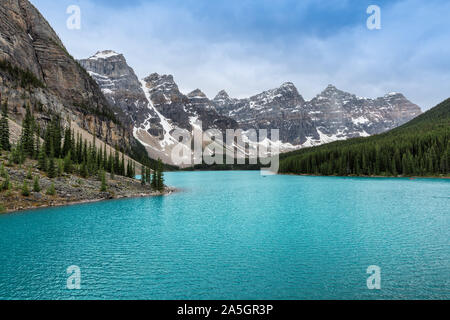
x: 167, y: 127
x: 104, y: 55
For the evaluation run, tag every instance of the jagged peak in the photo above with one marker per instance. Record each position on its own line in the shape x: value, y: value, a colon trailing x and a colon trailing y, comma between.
x: 332, y: 90
x: 197, y: 93
x: 288, y: 85
x: 105, y: 54
x: 156, y: 77
x: 222, y: 95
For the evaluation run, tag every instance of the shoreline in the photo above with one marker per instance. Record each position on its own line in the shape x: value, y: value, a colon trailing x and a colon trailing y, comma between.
x: 387, y: 177
x: 65, y: 189
x: 59, y: 204
x: 167, y: 192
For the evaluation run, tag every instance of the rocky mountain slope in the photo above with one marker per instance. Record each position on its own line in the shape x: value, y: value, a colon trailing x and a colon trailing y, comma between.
x: 157, y: 107
x: 421, y: 147
x: 155, y: 104
x: 36, y: 69
x: 332, y: 115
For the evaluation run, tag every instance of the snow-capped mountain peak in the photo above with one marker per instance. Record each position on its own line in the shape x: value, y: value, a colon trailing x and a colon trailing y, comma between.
x: 105, y: 54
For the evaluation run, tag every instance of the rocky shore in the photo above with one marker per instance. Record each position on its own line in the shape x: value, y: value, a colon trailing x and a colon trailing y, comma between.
x: 69, y: 189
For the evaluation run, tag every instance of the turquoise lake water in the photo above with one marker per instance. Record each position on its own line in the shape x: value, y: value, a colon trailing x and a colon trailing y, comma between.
x: 237, y: 235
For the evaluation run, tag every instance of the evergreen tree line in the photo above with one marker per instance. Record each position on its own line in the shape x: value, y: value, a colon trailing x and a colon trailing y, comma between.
x: 63, y: 151
x: 23, y: 78
x: 155, y: 179
x: 419, y: 148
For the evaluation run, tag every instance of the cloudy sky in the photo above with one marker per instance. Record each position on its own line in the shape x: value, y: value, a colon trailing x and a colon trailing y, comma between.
x: 247, y: 46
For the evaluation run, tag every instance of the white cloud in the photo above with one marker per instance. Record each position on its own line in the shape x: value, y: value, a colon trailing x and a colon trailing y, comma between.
x: 409, y: 55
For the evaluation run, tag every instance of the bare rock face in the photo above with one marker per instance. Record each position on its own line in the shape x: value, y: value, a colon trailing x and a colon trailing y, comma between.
x: 332, y: 115
x: 280, y: 108
x: 182, y: 109
x: 167, y: 99
x: 343, y: 115
x: 27, y: 41
x: 223, y: 100
x: 271, y: 104
x: 119, y: 84
x: 154, y: 105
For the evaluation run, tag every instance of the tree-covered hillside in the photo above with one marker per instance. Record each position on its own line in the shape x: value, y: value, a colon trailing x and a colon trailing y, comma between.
x: 421, y: 147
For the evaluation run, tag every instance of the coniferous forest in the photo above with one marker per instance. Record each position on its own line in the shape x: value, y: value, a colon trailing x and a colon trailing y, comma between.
x: 60, y: 150
x: 420, y: 147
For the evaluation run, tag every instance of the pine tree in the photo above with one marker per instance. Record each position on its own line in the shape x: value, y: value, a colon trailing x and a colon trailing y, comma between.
x: 90, y: 160
x: 129, y: 172
x: 110, y: 162
x: 36, y: 186
x: 56, y: 135
x: 42, y: 160
x: 84, y: 170
x: 394, y: 167
x: 105, y: 159
x: 37, y: 148
x: 68, y: 163
x: 6, y: 185
x: 104, y: 186
x: 25, y: 190
x: 67, y: 145
x: 160, y: 176
x: 4, y: 128
x: 17, y: 155
x: 148, y: 175
x: 3, y: 172
x: 100, y: 158
x: 85, y: 151
x: 47, y: 141
x: 154, y: 183
x: 116, y: 162
x: 29, y: 174
x: 112, y: 175
x: 122, y: 165
x: 27, y: 138
x: 143, y: 175
x: 60, y: 166
x: 79, y: 148
x: 51, y: 169
x: 51, y: 190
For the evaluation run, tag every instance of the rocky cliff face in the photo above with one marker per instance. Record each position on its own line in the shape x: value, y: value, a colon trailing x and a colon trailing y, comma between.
x: 119, y: 84
x: 341, y: 115
x: 280, y: 108
x: 28, y: 42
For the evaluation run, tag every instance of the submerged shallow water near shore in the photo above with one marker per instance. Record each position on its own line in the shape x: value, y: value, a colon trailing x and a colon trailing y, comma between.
x: 237, y: 235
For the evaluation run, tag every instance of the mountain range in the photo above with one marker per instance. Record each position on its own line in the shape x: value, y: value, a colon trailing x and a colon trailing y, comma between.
x: 156, y: 106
